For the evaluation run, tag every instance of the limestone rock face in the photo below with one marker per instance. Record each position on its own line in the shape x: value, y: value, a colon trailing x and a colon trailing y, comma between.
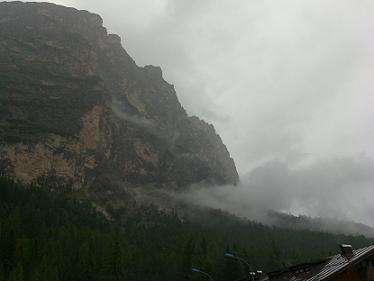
x: 74, y: 107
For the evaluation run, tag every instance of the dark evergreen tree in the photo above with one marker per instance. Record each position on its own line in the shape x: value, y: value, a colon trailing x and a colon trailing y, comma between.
x: 17, y: 274
x: 48, y: 236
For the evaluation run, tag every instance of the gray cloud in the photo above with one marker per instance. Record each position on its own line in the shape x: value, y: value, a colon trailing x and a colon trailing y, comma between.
x: 279, y: 79
x: 339, y: 189
x: 287, y: 81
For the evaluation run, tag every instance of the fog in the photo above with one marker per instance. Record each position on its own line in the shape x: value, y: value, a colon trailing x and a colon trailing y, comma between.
x: 340, y: 188
x: 287, y: 84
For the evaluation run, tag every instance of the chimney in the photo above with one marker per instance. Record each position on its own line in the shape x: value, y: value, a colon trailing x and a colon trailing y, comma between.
x: 346, y: 251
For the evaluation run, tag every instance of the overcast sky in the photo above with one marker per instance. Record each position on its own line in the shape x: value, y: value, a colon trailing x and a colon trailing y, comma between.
x: 289, y: 80
x: 286, y: 79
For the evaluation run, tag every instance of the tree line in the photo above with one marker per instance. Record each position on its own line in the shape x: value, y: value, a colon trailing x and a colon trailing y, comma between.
x: 47, y: 236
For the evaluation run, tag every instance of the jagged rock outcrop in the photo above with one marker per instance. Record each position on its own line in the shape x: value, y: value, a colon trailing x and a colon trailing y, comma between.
x: 74, y: 107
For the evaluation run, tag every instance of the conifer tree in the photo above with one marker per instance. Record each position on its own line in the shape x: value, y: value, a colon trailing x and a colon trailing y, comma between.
x: 17, y: 274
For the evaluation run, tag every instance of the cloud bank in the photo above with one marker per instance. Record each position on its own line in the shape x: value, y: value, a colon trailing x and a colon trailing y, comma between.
x: 287, y: 80
x: 337, y: 189
x: 287, y: 85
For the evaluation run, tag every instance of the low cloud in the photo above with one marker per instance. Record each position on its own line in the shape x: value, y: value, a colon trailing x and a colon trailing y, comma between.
x: 289, y: 80
x: 119, y: 109
x: 339, y: 189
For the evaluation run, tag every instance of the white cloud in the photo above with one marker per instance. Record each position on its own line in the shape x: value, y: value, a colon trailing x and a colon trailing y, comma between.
x: 340, y: 188
x: 279, y: 79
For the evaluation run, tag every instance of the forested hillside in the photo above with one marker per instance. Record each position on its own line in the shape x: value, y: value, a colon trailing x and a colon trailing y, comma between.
x: 48, y: 236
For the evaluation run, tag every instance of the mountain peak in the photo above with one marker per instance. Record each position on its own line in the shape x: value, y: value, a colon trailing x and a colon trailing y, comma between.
x: 76, y: 108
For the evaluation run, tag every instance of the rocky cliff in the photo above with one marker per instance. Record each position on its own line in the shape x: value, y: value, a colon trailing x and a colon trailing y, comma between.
x: 75, y: 108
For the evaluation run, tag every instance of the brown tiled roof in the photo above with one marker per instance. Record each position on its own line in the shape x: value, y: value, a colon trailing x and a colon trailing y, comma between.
x: 300, y: 272
x: 322, y: 269
x: 338, y: 263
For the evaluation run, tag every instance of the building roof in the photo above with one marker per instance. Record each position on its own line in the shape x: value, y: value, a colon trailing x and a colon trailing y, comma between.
x: 323, y: 269
x: 338, y: 263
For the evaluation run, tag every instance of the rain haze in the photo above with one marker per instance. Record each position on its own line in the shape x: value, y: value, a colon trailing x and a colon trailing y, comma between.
x: 287, y: 85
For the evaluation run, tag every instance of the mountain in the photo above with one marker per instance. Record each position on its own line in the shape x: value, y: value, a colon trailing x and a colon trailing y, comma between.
x: 76, y: 112
x: 75, y: 109
x: 48, y: 236
x: 330, y: 225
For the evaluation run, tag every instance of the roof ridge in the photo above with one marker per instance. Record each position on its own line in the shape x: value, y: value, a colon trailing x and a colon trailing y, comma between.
x: 331, y: 267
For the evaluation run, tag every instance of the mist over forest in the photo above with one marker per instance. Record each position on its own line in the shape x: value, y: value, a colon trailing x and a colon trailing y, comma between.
x: 185, y: 139
x: 287, y: 86
x: 339, y: 189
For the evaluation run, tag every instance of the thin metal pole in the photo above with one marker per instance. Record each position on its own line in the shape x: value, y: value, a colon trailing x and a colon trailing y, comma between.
x: 202, y: 272
x: 245, y: 262
x: 210, y: 277
x: 250, y: 272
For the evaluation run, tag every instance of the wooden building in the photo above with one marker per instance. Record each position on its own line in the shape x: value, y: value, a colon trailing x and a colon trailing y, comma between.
x: 349, y: 265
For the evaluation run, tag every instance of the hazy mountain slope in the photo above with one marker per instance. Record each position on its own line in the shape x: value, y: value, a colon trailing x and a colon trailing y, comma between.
x: 319, y: 224
x: 75, y: 108
x: 46, y: 236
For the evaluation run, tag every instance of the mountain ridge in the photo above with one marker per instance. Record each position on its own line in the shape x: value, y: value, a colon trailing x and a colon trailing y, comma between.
x: 76, y: 109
